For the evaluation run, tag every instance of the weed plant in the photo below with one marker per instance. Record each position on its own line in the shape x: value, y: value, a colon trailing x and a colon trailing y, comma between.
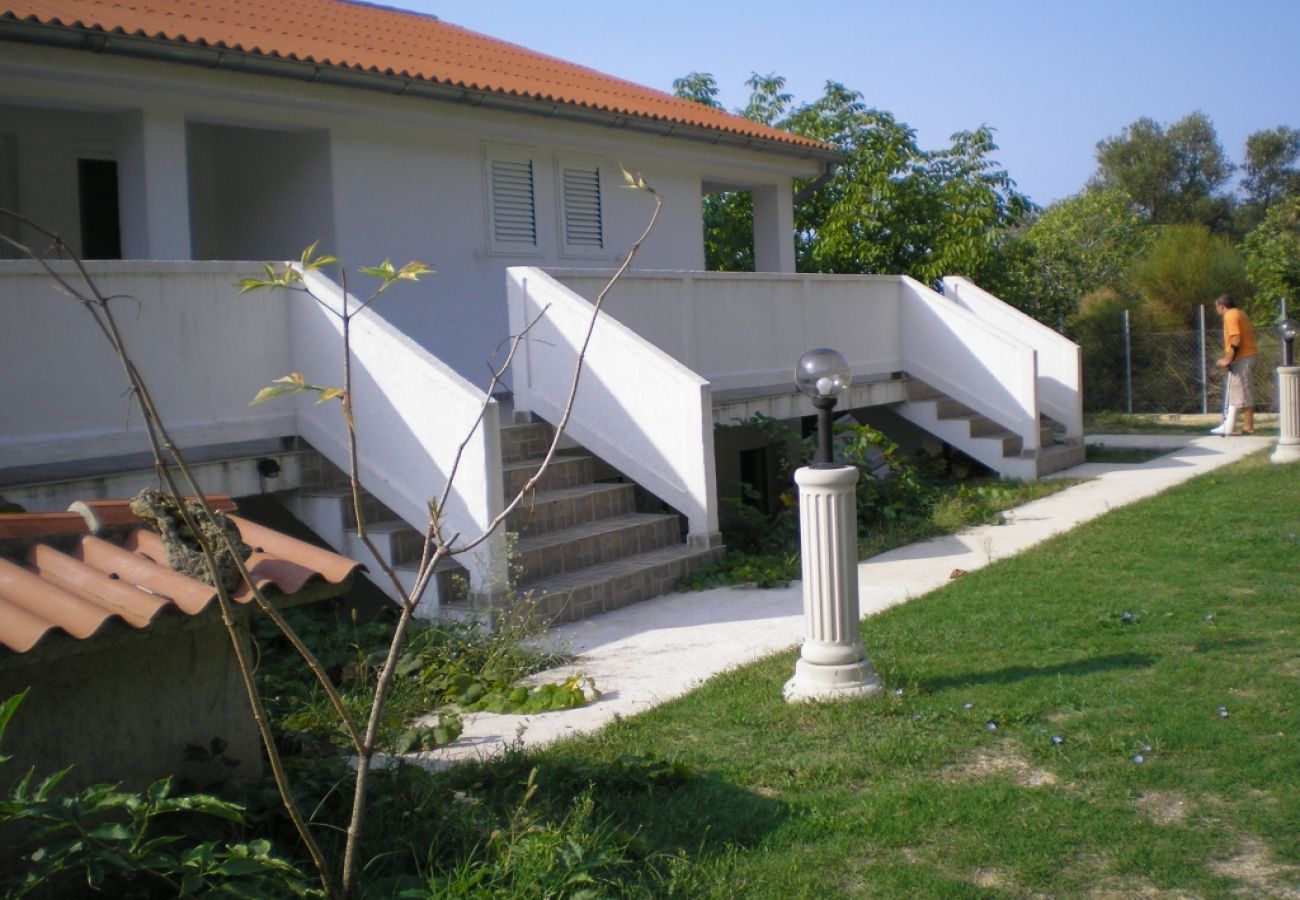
x: 446, y: 669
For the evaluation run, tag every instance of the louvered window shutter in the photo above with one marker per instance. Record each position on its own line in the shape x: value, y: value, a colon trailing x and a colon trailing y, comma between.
x: 583, y: 225
x: 514, y: 212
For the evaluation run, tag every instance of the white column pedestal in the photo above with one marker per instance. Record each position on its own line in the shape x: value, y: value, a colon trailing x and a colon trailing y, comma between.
x: 1288, y: 419
x: 833, y: 664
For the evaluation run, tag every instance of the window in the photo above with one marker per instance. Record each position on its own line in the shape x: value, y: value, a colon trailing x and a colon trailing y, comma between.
x: 582, y: 226
x: 512, y: 206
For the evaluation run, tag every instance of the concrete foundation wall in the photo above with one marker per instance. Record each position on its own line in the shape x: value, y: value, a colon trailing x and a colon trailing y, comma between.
x: 121, y: 706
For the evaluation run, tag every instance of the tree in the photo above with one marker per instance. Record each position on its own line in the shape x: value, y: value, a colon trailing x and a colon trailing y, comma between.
x: 890, y: 208
x: 1271, y: 173
x: 1272, y: 252
x: 1074, y: 248
x: 1174, y: 176
x: 1187, y: 266
x: 700, y: 87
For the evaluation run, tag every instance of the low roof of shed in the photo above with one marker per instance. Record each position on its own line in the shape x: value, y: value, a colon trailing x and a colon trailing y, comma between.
x: 74, y: 573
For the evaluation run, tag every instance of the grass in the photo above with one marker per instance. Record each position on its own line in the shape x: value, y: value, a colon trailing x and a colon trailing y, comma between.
x: 1167, y: 423
x: 1122, y: 639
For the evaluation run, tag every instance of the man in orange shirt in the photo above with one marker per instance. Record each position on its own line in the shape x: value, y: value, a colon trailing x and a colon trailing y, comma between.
x: 1239, y: 356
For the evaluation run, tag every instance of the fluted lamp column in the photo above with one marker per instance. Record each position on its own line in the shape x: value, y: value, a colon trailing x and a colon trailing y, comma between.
x: 832, y: 664
x: 1288, y: 399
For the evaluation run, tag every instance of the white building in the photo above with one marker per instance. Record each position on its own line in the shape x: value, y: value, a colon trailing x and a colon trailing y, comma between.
x: 180, y: 136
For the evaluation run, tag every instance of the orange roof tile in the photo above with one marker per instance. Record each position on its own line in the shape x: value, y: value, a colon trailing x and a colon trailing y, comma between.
x: 401, y: 45
x: 86, y: 581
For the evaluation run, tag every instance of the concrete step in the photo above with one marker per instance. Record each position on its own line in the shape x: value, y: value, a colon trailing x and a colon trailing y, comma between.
x: 397, y: 542
x: 563, y: 472
x: 594, y: 543
x: 596, y: 589
x: 529, y: 440
x: 371, y: 508
x: 1058, y: 457
x: 549, y: 511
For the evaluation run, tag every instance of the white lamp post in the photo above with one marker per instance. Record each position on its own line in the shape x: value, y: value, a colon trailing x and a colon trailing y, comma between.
x: 832, y: 664
x: 1288, y: 398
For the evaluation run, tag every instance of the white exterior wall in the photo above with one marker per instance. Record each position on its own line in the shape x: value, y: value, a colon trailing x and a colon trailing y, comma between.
x: 741, y: 330
x: 203, y: 351
x: 401, y: 178
x: 48, y: 144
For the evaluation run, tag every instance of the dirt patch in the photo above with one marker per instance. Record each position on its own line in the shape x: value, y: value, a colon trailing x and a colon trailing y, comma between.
x: 991, y: 878
x: 1253, y: 865
x: 1162, y: 807
x: 1003, y: 762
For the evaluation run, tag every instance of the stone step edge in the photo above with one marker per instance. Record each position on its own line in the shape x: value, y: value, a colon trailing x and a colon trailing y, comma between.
x: 592, y: 575
x: 551, y: 540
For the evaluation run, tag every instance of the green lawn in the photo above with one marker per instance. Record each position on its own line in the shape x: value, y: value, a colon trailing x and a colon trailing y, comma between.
x: 1113, y: 712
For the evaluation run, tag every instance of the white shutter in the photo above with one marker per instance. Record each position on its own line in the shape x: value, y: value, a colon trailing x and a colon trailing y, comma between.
x: 513, y: 207
x: 583, y: 224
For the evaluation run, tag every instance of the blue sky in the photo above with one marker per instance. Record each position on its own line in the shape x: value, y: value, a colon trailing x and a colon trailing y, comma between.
x: 1053, y: 77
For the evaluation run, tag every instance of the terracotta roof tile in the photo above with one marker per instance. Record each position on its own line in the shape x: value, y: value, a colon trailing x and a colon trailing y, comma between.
x: 77, y: 589
x: 390, y: 42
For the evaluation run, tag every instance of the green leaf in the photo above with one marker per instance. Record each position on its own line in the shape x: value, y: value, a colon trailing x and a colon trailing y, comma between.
x: 7, y: 710
x: 111, y: 831
x: 270, y: 393
x: 413, y: 270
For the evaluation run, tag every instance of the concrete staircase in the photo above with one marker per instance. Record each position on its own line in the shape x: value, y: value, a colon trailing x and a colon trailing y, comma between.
x: 580, y: 546
x: 985, y: 440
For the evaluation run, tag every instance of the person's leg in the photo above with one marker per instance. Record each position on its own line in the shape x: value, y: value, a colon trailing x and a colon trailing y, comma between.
x: 1245, y: 374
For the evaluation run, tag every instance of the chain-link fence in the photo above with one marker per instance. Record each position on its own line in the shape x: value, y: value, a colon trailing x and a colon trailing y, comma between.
x: 1170, y: 372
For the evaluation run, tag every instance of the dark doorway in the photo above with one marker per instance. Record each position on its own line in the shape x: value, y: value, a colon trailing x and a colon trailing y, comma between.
x: 101, y: 234
x: 755, y: 472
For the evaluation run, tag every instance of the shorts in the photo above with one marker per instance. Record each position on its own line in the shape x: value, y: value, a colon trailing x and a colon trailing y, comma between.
x: 1241, y: 392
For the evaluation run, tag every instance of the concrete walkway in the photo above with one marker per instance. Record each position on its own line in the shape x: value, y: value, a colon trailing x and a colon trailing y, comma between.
x: 654, y: 651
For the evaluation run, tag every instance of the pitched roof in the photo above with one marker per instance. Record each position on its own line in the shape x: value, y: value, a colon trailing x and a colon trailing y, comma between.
x: 340, y: 36
x: 97, y: 564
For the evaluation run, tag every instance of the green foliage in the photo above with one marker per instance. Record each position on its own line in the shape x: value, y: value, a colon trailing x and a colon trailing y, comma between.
x: 897, y: 503
x: 294, y: 383
x: 1076, y: 246
x: 699, y: 87
x: 124, y: 843
x: 1175, y: 175
x: 1272, y: 252
x: 1271, y: 173
x: 445, y: 670
x: 1185, y: 267
x: 890, y: 208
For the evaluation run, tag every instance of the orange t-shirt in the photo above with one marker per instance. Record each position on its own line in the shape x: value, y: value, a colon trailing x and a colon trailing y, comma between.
x: 1236, y: 324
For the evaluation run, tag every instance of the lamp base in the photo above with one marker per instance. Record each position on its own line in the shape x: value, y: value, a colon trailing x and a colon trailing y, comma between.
x: 1286, y: 452
x: 821, y: 682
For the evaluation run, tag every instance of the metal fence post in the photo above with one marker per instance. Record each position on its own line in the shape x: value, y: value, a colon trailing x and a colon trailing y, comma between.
x: 1205, y: 379
x: 1128, y: 367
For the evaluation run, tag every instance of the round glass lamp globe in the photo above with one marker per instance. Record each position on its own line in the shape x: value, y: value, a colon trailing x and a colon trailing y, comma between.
x: 1287, y: 330
x: 822, y: 373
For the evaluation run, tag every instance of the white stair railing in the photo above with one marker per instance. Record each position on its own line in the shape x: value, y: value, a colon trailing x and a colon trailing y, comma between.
x: 412, y: 413
x: 971, y: 361
x: 636, y: 407
x: 1060, y: 367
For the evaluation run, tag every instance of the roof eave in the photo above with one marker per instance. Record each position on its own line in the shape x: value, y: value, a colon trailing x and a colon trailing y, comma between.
x: 211, y: 57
